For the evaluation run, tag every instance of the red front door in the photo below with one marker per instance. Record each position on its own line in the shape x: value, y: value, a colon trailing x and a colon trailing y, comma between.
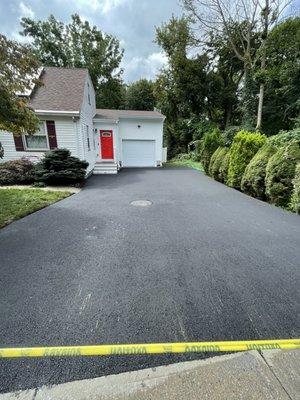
x: 107, y: 148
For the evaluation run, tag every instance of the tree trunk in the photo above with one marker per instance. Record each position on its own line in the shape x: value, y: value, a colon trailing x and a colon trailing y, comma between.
x: 266, y: 13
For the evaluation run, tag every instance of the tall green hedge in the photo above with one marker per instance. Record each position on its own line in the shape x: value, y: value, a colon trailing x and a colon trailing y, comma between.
x: 216, y: 163
x: 223, y: 172
x: 244, y: 147
x: 253, y: 181
x: 295, y: 199
x: 211, y: 141
x: 280, y: 173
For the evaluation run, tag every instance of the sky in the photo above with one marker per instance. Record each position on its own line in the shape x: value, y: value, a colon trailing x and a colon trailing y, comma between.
x: 133, y: 22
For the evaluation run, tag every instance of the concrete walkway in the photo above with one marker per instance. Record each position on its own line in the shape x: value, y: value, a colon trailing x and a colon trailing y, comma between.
x: 250, y: 375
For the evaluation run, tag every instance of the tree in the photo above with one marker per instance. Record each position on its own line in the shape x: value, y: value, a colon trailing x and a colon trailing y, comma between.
x: 140, y: 96
x: 19, y: 71
x: 181, y: 87
x: 282, y: 105
x: 254, y: 19
x: 77, y: 44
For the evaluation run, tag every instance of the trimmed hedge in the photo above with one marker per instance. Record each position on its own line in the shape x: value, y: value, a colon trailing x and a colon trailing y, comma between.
x: 17, y: 172
x: 58, y: 167
x: 253, y: 181
x: 245, y: 145
x: 283, y: 138
x: 280, y: 173
x: 224, y: 167
x: 216, y: 162
x: 211, y: 141
x: 295, y: 198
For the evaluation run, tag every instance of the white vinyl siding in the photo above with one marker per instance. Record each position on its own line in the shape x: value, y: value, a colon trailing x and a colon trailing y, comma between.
x: 85, y: 126
x: 65, y: 135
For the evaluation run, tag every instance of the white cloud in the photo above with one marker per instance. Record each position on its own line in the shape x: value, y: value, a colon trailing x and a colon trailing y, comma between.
x: 26, y: 11
x: 105, y: 6
x: 139, y: 67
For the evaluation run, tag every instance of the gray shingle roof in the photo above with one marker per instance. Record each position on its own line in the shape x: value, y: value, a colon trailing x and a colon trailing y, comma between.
x: 116, y: 114
x: 62, y: 89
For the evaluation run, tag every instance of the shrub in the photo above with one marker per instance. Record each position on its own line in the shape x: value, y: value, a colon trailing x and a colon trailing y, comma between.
x: 216, y: 162
x: 229, y: 134
x: 244, y: 147
x: 253, y: 181
x: 224, y: 167
x: 284, y: 138
x: 16, y: 172
x: 58, y: 167
x: 212, y: 140
x: 280, y: 173
x: 295, y: 198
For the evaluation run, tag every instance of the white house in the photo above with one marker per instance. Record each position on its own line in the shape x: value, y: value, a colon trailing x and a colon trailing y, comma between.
x: 107, y: 139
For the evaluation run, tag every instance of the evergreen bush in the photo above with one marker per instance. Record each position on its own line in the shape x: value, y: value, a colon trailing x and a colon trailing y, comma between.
x: 211, y: 141
x: 280, y: 173
x: 253, y: 181
x: 58, y: 167
x: 216, y: 162
x: 224, y: 167
x: 16, y: 172
x: 244, y: 147
x: 295, y: 198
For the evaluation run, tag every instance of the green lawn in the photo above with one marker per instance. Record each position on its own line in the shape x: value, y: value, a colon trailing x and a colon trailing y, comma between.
x: 184, y: 163
x: 16, y: 203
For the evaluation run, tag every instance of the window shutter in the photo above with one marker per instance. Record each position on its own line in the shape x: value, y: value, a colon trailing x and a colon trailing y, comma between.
x: 51, y: 134
x: 19, y: 142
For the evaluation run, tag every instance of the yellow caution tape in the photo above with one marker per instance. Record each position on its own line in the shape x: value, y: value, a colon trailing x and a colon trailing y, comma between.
x: 149, y: 348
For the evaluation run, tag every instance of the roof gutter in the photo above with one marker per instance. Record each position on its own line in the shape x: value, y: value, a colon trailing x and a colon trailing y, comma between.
x: 56, y: 112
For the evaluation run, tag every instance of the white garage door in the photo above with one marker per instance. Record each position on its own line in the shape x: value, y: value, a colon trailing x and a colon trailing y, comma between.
x: 138, y: 153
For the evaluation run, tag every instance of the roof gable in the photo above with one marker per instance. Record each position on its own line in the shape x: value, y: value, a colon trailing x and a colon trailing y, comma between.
x: 62, y: 89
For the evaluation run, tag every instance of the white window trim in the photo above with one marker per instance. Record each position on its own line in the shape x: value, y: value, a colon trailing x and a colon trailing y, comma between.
x: 37, y: 134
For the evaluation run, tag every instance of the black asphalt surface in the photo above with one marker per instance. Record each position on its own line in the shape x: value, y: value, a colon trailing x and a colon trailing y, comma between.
x: 204, y: 262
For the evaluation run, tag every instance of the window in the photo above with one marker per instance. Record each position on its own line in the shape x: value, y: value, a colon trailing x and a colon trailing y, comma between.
x: 94, y: 141
x: 87, y: 135
x: 89, y: 97
x: 38, y: 141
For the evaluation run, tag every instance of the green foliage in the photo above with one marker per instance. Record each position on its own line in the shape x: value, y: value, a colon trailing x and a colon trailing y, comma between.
x: 211, y: 141
x: 16, y: 203
x: 58, y: 167
x: 244, y: 147
x: 280, y: 173
x: 281, y: 104
x: 284, y: 138
x: 229, y: 134
x: 295, y: 198
x: 77, y: 44
x: 140, y: 96
x: 17, y: 172
x: 253, y: 181
x: 18, y: 72
x: 216, y: 162
x: 223, y: 171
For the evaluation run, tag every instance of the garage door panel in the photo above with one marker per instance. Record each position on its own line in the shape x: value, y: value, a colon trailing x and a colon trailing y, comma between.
x: 138, y: 153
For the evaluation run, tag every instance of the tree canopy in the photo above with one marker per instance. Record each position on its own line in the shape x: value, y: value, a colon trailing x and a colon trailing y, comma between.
x: 140, y: 95
x: 19, y: 72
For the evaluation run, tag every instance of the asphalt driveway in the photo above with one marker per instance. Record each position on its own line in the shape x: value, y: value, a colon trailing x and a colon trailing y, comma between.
x: 203, y: 262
